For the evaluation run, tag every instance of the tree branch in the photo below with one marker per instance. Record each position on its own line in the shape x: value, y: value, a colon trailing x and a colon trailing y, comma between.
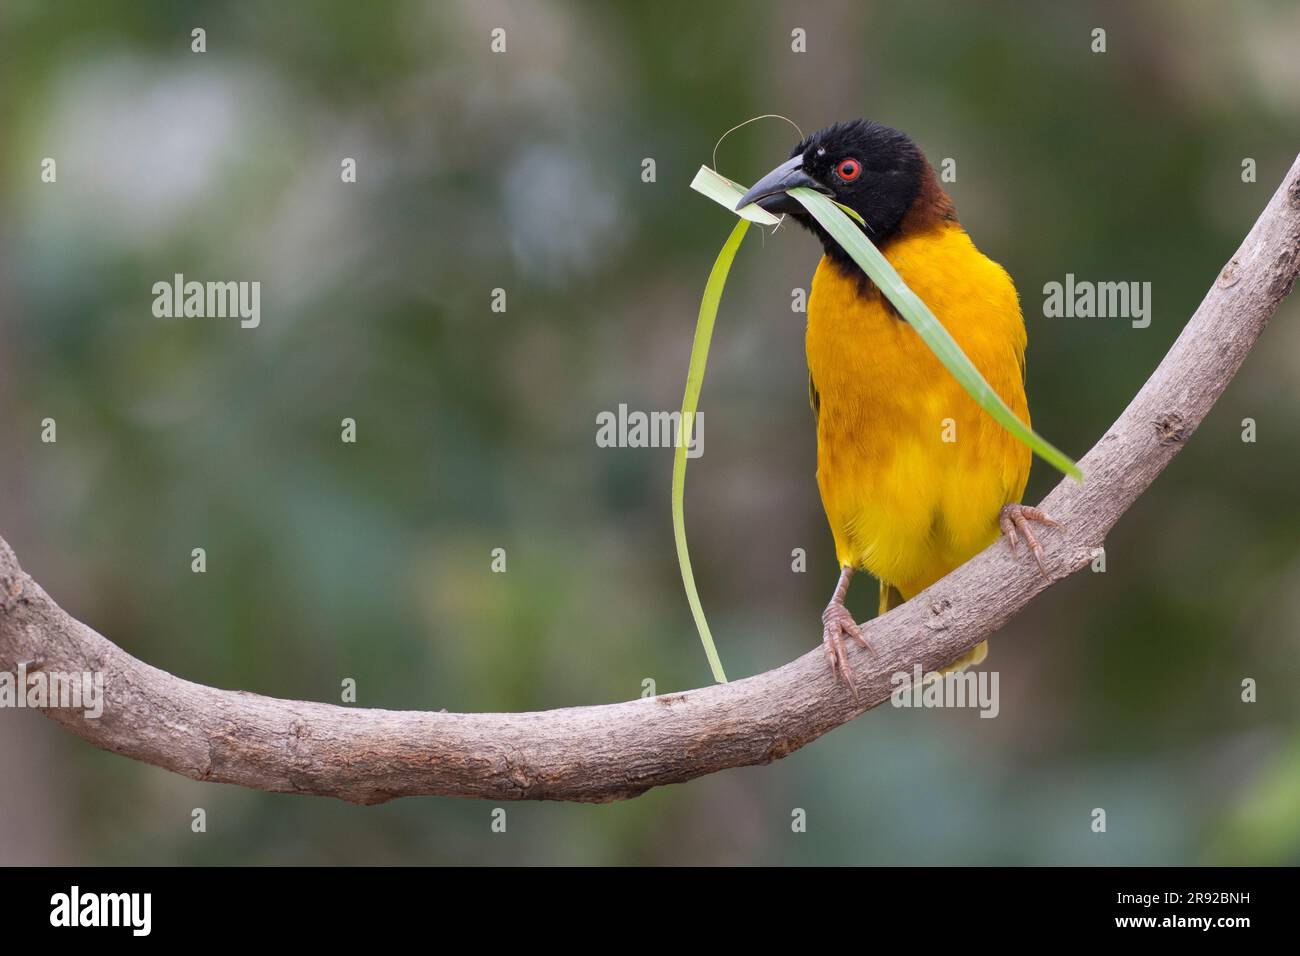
x: 616, y: 751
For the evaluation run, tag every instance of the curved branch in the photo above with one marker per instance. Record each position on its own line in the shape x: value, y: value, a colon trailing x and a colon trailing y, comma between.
x: 620, y: 750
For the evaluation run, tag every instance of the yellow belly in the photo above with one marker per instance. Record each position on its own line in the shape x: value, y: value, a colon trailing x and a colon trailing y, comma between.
x: 912, y: 472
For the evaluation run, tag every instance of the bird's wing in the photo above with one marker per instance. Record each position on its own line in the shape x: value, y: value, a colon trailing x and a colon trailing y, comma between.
x: 814, y: 399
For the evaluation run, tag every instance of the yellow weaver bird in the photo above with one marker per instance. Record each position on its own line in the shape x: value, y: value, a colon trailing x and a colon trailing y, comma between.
x: 915, y: 477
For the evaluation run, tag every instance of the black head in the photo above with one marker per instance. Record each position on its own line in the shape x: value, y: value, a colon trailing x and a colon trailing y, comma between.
x: 875, y: 170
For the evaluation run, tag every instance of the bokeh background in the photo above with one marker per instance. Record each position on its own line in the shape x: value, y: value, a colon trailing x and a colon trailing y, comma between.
x: 476, y: 429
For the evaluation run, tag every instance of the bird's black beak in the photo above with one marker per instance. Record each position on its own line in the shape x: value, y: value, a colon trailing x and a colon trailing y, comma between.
x: 770, y: 192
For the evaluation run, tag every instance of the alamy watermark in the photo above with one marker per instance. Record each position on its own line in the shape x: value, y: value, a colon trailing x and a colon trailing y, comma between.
x: 636, y: 429
x: 39, y: 689
x: 211, y: 300
x: 133, y: 911
x: 1082, y: 299
x: 978, y: 689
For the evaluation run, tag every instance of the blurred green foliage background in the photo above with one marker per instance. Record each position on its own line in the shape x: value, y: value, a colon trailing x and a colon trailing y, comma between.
x: 476, y: 430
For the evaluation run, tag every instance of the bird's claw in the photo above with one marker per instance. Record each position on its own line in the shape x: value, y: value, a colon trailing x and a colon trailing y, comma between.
x: 1014, y: 521
x: 836, y: 623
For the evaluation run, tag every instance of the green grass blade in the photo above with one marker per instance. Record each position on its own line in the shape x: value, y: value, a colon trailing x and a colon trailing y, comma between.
x: 941, y: 343
x: 722, y: 190
x: 690, y: 402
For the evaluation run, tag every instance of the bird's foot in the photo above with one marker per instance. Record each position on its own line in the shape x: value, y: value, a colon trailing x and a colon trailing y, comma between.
x: 837, y: 622
x: 1014, y: 520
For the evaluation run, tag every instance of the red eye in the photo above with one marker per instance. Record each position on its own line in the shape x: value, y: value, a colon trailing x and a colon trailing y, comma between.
x: 848, y: 170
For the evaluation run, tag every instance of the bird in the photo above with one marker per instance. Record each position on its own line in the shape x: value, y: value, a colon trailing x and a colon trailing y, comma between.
x: 915, y: 478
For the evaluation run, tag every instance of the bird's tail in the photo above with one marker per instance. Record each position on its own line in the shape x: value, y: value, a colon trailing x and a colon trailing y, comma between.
x: 972, y: 657
x: 890, y: 598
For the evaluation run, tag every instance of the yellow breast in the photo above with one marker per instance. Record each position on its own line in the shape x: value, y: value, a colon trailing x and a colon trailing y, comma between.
x: 912, y: 472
